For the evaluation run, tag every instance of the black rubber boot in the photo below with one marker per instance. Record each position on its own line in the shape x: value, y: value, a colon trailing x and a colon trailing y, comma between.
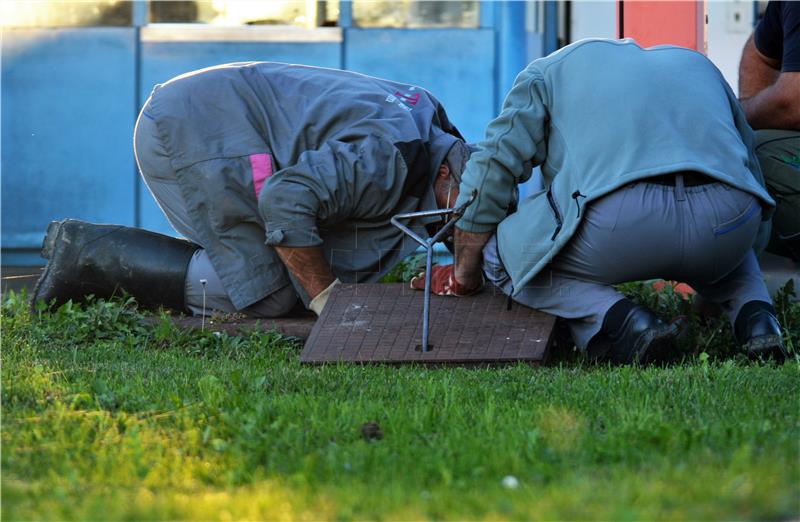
x: 104, y: 260
x: 758, y: 332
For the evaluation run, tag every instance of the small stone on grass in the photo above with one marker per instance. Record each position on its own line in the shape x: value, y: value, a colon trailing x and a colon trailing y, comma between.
x: 370, y: 431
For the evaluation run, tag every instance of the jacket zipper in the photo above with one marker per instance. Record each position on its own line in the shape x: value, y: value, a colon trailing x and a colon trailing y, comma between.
x: 556, y: 213
x: 575, y: 195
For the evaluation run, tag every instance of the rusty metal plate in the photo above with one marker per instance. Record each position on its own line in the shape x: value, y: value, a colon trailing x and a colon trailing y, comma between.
x: 382, y: 323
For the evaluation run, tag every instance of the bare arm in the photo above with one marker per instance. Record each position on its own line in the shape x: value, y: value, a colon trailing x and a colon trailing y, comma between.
x: 756, y: 71
x: 469, y: 257
x: 308, y: 266
x: 770, y: 99
x: 327, y: 186
x: 777, y: 106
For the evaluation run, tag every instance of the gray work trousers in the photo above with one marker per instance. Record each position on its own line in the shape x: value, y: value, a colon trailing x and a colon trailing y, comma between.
x: 203, y: 289
x: 701, y: 235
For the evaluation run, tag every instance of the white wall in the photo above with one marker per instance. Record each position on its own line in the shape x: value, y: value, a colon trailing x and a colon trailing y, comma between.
x: 593, y: 19
x: 730, y: 23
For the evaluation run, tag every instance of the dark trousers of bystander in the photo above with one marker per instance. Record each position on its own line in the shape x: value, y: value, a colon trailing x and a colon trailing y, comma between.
x: 779, y: 154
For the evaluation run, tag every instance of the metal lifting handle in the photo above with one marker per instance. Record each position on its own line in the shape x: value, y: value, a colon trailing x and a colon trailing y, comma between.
x: 428, y: 244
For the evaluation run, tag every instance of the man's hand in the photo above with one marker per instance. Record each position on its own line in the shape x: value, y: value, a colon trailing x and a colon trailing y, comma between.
x: 444, y: 282
x: 318, y: 303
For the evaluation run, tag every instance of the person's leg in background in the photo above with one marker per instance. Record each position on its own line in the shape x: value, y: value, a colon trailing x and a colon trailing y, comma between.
x: 778, y: 153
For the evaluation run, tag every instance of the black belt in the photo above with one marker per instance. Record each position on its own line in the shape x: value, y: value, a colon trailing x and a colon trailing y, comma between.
x: 690, y: 179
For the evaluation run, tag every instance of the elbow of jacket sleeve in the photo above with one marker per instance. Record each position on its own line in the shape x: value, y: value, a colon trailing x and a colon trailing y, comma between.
x: 475, y: 228
x: 292, y: 235
x: 289, y: 219
x: 483, y: 215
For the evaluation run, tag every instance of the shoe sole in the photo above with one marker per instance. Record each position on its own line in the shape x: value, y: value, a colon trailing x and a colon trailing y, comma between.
x: 49, y: 243
x: 657, y: 345
x: 765, y: 347
x: 48, y: 250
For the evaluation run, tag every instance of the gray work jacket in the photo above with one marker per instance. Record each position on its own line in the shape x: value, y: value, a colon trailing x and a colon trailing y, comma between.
x: 597, y: 115
x: 275, y: 154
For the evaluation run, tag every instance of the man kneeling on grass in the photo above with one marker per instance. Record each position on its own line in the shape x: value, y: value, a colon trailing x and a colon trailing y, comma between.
x: 650, y: 172
x: 266, y: 167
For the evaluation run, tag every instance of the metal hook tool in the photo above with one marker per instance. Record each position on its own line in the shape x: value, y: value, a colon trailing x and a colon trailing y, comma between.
x: 428, y: 245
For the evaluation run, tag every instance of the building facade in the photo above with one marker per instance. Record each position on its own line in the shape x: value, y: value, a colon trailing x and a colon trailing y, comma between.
x: 75, y: 74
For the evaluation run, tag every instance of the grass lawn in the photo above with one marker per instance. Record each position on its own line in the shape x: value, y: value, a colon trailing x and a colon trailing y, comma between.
x: 105, y: 419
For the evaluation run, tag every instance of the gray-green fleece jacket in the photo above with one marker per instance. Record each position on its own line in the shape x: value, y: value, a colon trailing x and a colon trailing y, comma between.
x: 273, y: 154
x: 596, y: 115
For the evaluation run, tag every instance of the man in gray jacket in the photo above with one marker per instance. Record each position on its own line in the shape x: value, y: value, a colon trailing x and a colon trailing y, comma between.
x: 282, y: 177
x: 650, y: 172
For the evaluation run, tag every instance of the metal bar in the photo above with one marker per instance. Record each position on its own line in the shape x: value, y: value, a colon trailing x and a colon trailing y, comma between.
x: 141, y: 17
x: 425, y: 213
x: 426, y: 303
x: 428, y: 245
x: 486, y: 15
x: 410, y: 232
x: 345, y: 23
x: 346, y: 13
x: 511, y: 36
x: 550, y: 26
x: 141, y: 13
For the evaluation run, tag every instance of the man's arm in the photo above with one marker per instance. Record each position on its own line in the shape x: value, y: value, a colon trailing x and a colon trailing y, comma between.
x: 777, y: 106
x: 469, y: 257
x: 770, y: 98
x: 308, y: 265
x: 756, y: 71
x: 514, y: 140
x: 334, y: 183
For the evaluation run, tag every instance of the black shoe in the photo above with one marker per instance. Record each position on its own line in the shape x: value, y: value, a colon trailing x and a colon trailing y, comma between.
x: 103, y: 260
x: 792, y: 245
x: 642, y: 338
x: 758, y: 332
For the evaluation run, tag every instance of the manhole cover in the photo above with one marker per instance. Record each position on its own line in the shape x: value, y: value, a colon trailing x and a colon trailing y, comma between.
x: 382, y: 323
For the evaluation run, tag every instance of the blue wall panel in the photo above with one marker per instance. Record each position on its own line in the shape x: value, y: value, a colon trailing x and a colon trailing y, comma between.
x: 456, y: 65
x: 68, y: 109
x: 70, y: 98
x: 164, y: 60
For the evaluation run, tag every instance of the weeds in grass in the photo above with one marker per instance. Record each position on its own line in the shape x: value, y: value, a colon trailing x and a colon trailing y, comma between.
x: 713, y: 335
x: 406, y: 270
